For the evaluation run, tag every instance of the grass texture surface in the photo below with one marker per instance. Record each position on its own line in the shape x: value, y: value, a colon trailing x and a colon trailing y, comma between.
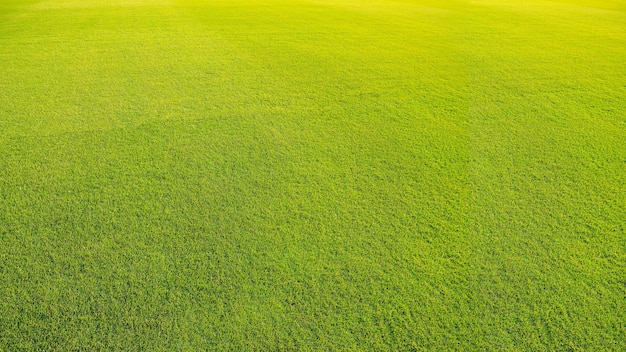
x: 313, y: 175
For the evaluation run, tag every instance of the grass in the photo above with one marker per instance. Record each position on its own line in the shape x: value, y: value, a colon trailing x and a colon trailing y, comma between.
x: 312, y: 175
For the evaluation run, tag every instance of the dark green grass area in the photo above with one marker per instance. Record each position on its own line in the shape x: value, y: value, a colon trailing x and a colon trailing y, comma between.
x: 312, y: 175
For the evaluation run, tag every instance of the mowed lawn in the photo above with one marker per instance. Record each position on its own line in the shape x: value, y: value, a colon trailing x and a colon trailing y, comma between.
x: 313, y: 175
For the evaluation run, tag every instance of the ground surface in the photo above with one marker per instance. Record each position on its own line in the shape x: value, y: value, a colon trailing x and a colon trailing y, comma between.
x: 325, y: 174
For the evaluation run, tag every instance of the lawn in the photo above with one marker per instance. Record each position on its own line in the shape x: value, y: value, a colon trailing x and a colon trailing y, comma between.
x: 313, y: 175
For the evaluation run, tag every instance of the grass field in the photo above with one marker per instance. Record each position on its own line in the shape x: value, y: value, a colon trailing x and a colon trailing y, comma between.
x: 313, y: 175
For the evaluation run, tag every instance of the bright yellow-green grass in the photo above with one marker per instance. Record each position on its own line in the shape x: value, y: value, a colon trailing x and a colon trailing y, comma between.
x: 313, y: 175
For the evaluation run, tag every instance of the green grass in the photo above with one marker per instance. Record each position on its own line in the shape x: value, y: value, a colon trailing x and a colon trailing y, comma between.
x: 312, y: 175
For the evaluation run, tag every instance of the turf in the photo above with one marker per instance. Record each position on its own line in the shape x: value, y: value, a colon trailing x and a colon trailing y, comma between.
x: 312, y: 175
